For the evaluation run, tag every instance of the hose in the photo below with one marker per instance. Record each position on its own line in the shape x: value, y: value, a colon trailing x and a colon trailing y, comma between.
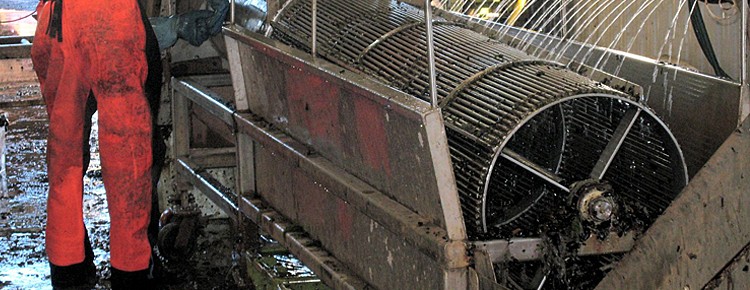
x: 699, y: 27
x: 18, y: 19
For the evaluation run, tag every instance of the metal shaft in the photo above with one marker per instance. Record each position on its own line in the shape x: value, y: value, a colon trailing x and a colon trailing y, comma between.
x: 431, y: 52
x: 231, y: 12
x: 314, y: 28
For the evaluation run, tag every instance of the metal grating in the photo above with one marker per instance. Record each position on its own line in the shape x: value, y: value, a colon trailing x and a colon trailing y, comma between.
x: 521, y: 131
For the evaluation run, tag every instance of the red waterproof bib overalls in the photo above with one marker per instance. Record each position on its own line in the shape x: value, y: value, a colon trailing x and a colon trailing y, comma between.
x: 101, y: 52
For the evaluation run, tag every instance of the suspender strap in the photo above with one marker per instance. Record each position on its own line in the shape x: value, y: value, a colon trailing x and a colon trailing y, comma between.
x: 54, y: 28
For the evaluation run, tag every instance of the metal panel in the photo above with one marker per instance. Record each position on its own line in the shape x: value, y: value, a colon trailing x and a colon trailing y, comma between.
x: 275, y: 183
x: 384, y: 259
x: 335, y: 209
x: 706, y: 226
x: 647, y: 40
x: 351, y: 218
x: 346, y: 119
x: 415, y: 229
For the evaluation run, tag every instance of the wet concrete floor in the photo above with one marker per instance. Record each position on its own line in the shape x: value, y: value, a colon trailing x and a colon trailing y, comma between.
x: 23, y: 263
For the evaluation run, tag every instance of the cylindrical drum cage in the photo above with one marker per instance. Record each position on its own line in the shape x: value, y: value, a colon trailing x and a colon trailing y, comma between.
x: 522, y: 132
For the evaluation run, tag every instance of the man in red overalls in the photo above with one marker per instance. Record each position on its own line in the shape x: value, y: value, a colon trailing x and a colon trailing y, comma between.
x: 92, y: 55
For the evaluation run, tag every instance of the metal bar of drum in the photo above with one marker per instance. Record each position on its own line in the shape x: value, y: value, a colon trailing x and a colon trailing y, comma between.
x: 532, y: 167
x: 430, y: 52
x: 744, y: 42
x: 618, y: 137
x: 314, y: 28
x: 231, y: 12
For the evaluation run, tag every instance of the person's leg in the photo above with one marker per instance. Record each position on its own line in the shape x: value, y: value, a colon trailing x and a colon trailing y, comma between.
x: 118, y: 71
x: 159, y: 147
x: 81, y: 275
x: 65, y: 94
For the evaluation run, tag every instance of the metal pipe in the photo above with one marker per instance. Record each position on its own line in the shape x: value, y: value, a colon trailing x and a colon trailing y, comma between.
x: 314, y: 28
x: 745, y: 89
x: 231, y: 12
x: 430, y: 52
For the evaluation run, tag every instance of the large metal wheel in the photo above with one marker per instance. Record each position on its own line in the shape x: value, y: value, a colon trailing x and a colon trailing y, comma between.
x: 568, y: 149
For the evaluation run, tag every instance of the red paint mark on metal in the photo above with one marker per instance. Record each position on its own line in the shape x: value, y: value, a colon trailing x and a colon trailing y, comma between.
x: 314, y: 105
x: 373, y: 140
x: 344, y: 219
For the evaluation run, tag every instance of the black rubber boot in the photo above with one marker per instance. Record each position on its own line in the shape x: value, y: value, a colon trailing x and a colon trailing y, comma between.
x: 76, y: 276
x: 141, y: 280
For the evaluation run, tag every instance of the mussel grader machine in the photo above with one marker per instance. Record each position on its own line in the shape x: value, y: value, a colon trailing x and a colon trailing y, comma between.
x: 390, y: 148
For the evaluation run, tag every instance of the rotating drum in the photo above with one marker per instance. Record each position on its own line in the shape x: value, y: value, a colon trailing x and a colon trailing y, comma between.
x: 524, y: 134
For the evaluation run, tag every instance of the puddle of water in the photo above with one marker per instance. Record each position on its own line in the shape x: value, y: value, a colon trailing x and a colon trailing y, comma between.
x: 29, y: 273
x: 23, y: 264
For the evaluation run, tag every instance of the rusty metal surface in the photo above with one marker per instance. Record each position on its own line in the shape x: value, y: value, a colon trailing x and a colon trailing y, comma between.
x: 379, y: 239
x: 373, y: 132
x: 706, y: 226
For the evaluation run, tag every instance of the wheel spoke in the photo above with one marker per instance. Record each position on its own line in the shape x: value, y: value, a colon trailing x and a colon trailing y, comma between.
x: 618, y: 137
x: 534, y: 168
